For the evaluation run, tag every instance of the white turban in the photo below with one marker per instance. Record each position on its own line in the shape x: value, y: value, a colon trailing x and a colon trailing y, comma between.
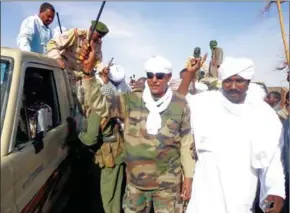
x: 56, y: 31
x: 236, y: 66
x: 157, y: 64
x: 117, y: 73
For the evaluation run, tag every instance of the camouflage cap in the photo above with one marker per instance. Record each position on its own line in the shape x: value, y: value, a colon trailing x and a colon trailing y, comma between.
x: 213, y: 43
x: 100, y: 28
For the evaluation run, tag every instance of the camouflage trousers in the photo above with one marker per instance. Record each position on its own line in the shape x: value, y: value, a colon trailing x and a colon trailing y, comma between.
x: 163, y: 200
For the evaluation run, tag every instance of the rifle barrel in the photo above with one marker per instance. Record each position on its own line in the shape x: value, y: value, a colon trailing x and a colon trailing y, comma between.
x: 97, y: 19
x: 58, y: 20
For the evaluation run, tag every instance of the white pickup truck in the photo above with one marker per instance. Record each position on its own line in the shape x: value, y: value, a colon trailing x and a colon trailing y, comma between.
x: 33, y: 169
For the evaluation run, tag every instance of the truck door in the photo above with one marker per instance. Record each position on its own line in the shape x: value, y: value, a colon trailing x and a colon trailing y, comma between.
x: 37, y: 150
x: 7, y: 172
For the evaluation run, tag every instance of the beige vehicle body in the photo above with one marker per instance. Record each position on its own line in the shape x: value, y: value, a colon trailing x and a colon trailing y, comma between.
x: 28, y: 176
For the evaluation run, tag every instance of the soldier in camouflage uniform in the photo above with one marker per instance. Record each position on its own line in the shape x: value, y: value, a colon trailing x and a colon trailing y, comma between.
x: 107, y: 144
x: 155, y: 156
x: 67, y: 48
x: 216, y: 58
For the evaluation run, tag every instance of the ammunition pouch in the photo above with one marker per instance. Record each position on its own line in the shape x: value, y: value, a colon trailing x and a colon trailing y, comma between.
x: 110, y: 150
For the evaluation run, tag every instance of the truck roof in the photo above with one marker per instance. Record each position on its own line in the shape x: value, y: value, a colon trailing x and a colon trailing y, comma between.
x: 17, y: 54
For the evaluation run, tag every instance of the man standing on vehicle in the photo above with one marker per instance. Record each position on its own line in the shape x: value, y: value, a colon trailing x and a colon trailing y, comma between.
x: 35, y: 32
x: 243, y: 149
x: 157, y: 139
x: 216, y: 59
x: 192, y: 61
x: 67, y: 48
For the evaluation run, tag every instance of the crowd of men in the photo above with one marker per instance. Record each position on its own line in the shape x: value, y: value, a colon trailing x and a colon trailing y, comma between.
x: 178, y: 142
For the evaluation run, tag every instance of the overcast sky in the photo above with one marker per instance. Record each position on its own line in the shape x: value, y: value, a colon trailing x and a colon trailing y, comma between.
x: 139, y: 30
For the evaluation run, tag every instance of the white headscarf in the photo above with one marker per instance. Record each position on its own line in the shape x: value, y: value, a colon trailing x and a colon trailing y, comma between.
x: 56, y: 31
x: 156, y: 64
x: 117, y: 73
x: 243, y: 67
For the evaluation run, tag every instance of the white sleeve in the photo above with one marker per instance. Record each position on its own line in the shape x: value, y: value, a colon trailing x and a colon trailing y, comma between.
x: 44, y: 119
x: 41, y: 120
x: 25, y: 36
x: 272, y: 178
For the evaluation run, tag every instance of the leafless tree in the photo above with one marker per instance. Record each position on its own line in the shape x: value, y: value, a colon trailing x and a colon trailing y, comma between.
x: 268, y: 6
x: 283, y: 64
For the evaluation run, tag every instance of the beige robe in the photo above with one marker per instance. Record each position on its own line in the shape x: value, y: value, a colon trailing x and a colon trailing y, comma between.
x: 216, y: 61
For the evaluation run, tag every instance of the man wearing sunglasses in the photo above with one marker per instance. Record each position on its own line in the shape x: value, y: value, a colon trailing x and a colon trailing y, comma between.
x: 157, y: 138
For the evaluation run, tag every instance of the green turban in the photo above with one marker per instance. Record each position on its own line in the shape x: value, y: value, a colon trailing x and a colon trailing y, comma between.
x: 196, y: 52
x: 213, y: 44
x: 101, y: 28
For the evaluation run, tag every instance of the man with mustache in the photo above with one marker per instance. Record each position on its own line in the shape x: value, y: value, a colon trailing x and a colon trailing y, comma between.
x: 35, y: 32
x: 157, y: 139
x: 241, y: 150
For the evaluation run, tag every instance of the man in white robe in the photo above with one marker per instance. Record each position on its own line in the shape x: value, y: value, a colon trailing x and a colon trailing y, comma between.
x: 238, y: 142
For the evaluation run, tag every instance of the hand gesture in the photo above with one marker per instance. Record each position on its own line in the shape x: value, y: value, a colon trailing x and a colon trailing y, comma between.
x: 60, y: 63
x: 104, y: 74
x: 186, y: 189
x: 85, y: 49
x: 91, y: 59
x: 277, y: 205
x: 195, y: 67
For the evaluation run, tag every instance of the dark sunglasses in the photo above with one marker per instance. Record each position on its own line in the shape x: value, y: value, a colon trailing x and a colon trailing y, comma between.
x: 158, y: 75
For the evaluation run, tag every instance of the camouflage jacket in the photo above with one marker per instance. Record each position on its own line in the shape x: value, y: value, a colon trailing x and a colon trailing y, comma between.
x: 106, y: 135
x: 153, y: 162
x: 68, y: 45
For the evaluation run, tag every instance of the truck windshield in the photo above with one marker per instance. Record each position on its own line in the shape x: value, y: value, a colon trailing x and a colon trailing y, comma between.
x: 5, y: 87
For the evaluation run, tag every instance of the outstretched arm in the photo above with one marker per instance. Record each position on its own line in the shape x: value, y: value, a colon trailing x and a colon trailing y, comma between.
x: 188, y: 154
x: 111, y: 106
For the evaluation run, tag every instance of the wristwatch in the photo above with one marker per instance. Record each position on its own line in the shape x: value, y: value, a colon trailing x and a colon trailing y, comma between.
x: 89, y: 74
